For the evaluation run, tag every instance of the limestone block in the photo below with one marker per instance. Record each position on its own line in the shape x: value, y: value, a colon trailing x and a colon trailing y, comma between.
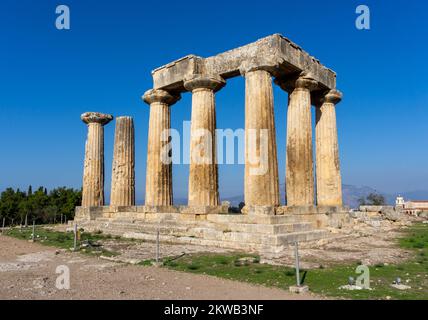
x: 225, y: 205
x: 98, y: 212
x: 193, y: 217
x: 369, y: 208
x: 141, y: 209
x: 126, y: 209
x: 81, y: 213
x: 303, y: 209
x: 200, y: 209
x: 391, y: 214
x: 259, y: 210
x: 160, y: 209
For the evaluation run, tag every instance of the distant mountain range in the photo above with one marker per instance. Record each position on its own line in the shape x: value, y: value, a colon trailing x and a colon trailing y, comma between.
x: 351, y: 194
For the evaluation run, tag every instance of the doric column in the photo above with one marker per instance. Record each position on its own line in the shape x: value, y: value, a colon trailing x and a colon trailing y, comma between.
x: 299, y: 159
x: 123, y: 174
x: 93, y: 174
x: 329, y: 181
x: 159, y: 165
x: 261, y: 163
x: 203, y: 174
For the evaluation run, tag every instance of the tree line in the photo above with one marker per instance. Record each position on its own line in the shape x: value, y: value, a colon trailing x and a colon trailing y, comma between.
x: 20, y: 207
x: 373, y: 199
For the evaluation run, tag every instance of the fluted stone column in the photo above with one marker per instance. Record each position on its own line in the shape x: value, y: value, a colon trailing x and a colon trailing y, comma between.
x: 329, y: 181
x: 123, y: 174
x: 299, y: 159
x: 93, y: 174
x: 261, y: 163
x: 159, y: 169
x: 203, y: 175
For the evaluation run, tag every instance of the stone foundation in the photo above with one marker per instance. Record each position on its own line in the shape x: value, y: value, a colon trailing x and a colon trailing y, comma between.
x: 267, y: 234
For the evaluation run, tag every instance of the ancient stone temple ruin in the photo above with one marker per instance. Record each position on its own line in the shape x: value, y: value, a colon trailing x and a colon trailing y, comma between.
x: 312, y: 205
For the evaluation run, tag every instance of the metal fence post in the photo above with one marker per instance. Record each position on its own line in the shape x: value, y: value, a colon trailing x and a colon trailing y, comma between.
x: 75, y: 237
x: 157, y: 245
x: 34, y: 231
x: 296, y: 255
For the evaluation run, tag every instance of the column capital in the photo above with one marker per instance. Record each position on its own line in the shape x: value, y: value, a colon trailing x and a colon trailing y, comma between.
x: 333, y: 96
x: 211, y: 82
x: 303, y: 81
x: 269, y: 64
x: 96, y: 117
x: 124, y: 118
x: 161, y: 96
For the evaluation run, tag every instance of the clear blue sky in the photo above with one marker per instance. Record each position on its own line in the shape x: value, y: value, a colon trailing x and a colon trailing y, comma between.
x: 49, y: 77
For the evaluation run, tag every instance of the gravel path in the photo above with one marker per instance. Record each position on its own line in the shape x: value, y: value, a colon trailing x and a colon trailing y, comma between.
x: 28, y: 271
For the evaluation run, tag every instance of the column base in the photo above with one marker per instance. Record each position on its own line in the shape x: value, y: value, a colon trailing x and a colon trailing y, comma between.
x: 321, y: 217
x: 223, y: 209
x: 259, y: 210
x: 194, y: 213
x: 159, y: 209
x: 90, y: 213
x: 282, y: 210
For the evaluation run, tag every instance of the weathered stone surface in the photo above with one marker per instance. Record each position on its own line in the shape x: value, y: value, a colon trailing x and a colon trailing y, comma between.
x: 424, y: 214
x: 84, y: 214
x: 123, y: 173
x: 203, y: 173
x: 299, y: 159
x: 158, y: 209
x: 96, y: 117
x: 274, y: 52
x: 261, y: 164
x: 201, y: 209
x: 401, y: 286
x: 93, y: 174
x: 259, y: 210
x: 391, y: 214
x: 329, y: 181
x: 267, y: 236
x: 81, y: 214
x: 298, y: 289
x: 130, y: 209
x: 159, y: 165
x: 372, y: 208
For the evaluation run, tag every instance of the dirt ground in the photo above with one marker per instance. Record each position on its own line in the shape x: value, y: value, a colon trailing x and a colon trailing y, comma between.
x: 28, y: 271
